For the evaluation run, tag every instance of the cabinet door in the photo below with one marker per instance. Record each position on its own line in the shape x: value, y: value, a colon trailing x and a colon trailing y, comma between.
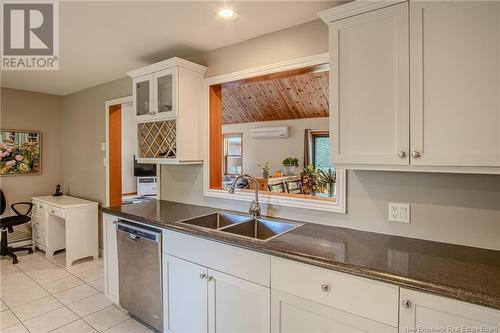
x: 421, y: 312
x: 110, y: 259
x: 369, y: 94
x: 166, y: 92
x: 143, y: 99
x: 185, y: 296
x: 236, y: 305
x: 455, y: 71
x: 295, y: 314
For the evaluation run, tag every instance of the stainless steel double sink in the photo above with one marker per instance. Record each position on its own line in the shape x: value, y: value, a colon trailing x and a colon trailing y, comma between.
x: 261, y: 229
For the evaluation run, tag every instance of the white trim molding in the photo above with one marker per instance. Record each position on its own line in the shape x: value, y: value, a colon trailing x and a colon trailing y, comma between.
x: 107, y: 104
x: 354, y: 8
x: 338, y: 206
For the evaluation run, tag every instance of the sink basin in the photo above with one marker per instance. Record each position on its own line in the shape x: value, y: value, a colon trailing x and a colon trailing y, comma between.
x: 261, y: 229
x: 216, y: 220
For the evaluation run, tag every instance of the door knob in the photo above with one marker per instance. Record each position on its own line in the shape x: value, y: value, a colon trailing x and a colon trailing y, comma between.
x: 415, y: 154
x: 402, y: 154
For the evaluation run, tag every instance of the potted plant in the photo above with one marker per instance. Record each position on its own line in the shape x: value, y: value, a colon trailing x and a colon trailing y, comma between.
x: 310, y: 180
x: 289, y: 165
x: 265, y: 169
x: 328, y: 178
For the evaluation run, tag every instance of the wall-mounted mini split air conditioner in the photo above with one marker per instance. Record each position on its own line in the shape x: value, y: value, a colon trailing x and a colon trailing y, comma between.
x: 269, y: 132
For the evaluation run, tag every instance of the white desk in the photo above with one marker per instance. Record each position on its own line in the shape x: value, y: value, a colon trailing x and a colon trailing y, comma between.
x: 65, y: 223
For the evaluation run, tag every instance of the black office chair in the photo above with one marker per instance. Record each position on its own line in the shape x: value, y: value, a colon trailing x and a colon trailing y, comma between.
x: 7, y: 224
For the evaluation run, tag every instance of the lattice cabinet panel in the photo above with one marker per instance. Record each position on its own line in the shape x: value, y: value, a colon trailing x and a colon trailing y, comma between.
x: 157, y: 139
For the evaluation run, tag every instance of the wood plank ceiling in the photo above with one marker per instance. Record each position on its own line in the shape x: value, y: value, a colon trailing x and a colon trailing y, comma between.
x: 292, y: 97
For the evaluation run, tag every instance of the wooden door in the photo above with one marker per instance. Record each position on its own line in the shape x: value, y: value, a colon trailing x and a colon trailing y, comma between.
x: 185, y: 296
x: 237, y: 305
x: 421, y: 312
x: 292, y: 314
x: 115, y: 155
x: 455, y: 87
x: 369, y: 94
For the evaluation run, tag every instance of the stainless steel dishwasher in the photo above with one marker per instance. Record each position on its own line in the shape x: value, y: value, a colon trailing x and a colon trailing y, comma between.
x: 139, y: 267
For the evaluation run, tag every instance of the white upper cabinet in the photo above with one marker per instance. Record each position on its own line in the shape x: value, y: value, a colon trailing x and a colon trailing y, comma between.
x: 168, y: 105
x: 415, y: 85
x: 455, y: 87
x: 369, y: 96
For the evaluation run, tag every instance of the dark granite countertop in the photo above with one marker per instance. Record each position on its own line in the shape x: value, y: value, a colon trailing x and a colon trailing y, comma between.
x: 465, y: 273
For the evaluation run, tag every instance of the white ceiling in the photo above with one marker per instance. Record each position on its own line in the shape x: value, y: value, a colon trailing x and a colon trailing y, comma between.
x: 100, y: 41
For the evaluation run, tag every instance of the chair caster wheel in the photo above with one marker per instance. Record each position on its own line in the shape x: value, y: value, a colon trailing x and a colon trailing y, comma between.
x: 30, y: 251
x: 15, y: 261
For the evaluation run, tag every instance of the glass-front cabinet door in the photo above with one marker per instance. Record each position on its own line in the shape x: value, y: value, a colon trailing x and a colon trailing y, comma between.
x: 166, y: 92
x: 143, y: 97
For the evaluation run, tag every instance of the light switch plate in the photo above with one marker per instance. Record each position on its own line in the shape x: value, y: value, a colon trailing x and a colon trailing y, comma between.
x: 399, y: 212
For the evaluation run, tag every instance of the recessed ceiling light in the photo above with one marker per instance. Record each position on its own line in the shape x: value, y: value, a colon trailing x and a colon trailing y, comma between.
x: 227, y: 13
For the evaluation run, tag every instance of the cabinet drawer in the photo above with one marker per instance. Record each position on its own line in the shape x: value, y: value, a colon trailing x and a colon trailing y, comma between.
x: 41, y: 238
x: 248, y: 265
x: 364, y: 297
x: 55, y: 211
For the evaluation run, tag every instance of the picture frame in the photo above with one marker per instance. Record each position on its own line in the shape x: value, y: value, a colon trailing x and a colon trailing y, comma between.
x: 20, y: 152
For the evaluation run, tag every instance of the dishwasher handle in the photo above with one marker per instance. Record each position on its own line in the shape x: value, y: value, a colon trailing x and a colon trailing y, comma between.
x: 137, y: 233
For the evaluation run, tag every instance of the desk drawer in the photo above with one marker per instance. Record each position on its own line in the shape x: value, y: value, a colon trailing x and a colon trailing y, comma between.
x: 364, y: 297
x: 40, y: 223
x: 55, y: 211
x: 41, y: 238
x: 39, y: 208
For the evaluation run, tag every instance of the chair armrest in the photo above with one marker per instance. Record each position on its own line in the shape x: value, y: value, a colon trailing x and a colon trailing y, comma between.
x: 29, y: 204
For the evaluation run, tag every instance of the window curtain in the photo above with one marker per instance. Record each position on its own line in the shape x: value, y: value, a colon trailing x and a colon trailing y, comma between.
x: 308, y: 146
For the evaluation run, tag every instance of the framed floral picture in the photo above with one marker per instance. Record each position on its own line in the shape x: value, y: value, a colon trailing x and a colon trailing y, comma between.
x: 20, y: 152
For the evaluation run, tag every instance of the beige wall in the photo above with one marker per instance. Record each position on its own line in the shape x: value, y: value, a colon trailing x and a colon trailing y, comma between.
x: 256, y: 151
x: 84, y: 131
x: 463, y: 209
x: 35, y: 111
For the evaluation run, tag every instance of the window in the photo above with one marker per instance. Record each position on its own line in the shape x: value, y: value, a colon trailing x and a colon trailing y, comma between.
x: 321, y: 150
x: 233, y: 154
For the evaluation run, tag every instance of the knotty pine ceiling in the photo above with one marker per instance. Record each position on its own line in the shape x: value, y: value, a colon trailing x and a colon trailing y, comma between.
x: 293, y: 97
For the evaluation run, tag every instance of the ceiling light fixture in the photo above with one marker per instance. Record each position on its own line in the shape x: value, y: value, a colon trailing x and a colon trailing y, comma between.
x: 227, y: 13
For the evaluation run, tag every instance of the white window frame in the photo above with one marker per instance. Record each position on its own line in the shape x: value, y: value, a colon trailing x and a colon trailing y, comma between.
x: 338, y: 206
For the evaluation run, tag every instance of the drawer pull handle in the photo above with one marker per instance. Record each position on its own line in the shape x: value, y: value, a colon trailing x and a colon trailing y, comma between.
x: 402, y: 154
x: 53, y: 211
x: 325, y: 287
x: 210, y: 278
x: 203, y: 276
x: 407, y: 304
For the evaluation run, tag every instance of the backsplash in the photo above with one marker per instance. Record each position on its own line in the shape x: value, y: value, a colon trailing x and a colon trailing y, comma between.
x: 451, y: 208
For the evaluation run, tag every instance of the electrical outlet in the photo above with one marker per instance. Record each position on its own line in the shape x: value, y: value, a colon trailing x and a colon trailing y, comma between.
x: 399, y: 212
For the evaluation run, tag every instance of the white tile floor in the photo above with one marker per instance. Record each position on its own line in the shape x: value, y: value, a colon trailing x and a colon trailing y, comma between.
x: 40, y: 295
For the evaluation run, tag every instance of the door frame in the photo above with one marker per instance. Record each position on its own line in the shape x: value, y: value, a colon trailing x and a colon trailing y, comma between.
x: 107, y: 105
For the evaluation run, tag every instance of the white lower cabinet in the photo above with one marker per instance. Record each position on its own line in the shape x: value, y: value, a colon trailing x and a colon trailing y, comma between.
x: 236, y: 305
x: 198, y: 299
x: 211, y: 287
x: 422, y: 312
x: 185, y: 303
x: 110, y: 259
x: 293, y: 314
